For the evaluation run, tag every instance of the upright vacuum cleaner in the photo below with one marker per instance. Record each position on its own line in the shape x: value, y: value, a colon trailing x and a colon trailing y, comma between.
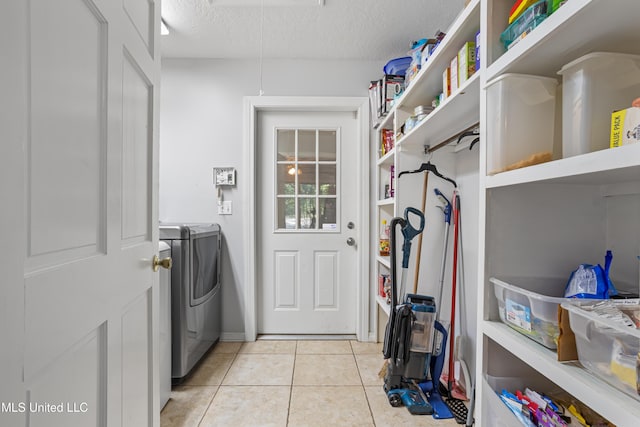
x: 408, y: 340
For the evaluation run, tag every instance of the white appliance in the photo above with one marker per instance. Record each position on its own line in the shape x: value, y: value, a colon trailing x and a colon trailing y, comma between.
x: 165, y: 327
x: 195, y: 293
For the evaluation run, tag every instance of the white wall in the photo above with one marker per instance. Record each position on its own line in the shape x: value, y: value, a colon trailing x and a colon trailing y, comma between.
x: 201, y: 127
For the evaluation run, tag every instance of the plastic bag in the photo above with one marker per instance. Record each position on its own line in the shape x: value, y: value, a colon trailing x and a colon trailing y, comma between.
x: 591, y: 281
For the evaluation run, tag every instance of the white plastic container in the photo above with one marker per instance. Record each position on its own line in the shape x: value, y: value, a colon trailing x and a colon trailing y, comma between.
x: 521, y: 120
x: 530, y: 306
x: 607, y: 349
x: 593, y: 86
x: 495, y: 412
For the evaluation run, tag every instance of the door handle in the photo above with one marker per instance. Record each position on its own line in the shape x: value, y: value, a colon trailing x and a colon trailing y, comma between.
x: 351, y: 241
x: 164, y: 263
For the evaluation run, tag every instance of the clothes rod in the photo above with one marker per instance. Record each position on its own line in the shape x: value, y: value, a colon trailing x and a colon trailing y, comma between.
x: 430, y: 149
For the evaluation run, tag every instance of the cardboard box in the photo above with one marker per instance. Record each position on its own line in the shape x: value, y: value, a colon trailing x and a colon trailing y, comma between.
x: 446, y: 83
x: 625, y: 127
x: 392, y: 86
x: 374, y: 100
x: 427, y: 51
x: 566, y: 338
x: 454, y: 75
x: 466, y: 62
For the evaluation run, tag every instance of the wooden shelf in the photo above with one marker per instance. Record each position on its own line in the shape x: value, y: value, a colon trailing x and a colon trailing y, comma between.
x: 610, y: 166
x: 595, y: 393
x: 571, y: 32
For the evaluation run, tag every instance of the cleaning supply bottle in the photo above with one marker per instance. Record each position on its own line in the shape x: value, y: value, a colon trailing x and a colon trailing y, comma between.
x: 384, y: 239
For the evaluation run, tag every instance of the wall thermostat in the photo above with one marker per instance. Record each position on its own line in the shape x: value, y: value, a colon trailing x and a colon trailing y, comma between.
x: 224, y: 176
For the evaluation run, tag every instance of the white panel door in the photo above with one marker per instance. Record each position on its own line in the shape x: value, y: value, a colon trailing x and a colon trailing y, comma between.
x: 79, y: 222
x: 307, y: 222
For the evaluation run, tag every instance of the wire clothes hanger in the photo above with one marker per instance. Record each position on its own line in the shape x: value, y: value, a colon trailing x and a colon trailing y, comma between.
x: 429, y: 167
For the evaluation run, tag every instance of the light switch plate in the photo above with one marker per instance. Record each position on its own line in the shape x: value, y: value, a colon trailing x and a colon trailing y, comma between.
x: 226, y: 208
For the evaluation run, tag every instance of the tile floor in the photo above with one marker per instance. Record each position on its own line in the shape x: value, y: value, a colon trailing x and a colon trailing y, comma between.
x: 288, y: 383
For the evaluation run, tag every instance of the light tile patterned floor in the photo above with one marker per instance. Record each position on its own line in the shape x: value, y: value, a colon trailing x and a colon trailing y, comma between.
x: 288, y: 383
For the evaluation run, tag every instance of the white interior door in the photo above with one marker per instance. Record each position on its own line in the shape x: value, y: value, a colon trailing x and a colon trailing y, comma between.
x: 81, y: 82
x: 307, y: 222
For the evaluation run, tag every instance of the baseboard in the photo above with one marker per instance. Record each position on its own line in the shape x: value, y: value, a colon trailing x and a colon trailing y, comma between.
x: 232, y: 336
x: 302, y: 337
x: 240, y: 337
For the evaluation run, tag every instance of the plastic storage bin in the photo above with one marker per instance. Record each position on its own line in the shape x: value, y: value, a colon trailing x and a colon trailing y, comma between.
x: 521, y: 121
x: 530, y: 306
x: 605, y: 348
x: 497, y: 414
x: 525, y: 23
x: 593, y: 86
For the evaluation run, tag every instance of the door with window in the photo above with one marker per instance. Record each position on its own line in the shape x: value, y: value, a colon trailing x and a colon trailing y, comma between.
x: 307, y: 230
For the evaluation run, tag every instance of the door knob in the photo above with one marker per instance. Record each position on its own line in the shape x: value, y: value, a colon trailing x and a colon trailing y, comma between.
x: 164, y: 263
x: 351, y: 241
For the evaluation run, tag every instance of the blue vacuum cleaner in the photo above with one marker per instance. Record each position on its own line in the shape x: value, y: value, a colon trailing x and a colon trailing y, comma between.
x: 409, y: 333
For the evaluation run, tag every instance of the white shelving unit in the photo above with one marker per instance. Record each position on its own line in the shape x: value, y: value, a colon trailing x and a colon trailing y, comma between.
x: 540, y: 220
x: 383, y: 304
x: 546, y: 219
x: 574, y: 379
x: 457, y: 113
x: 600, y: 167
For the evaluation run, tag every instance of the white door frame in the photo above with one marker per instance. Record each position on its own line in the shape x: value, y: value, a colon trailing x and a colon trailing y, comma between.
x: 360, y: 107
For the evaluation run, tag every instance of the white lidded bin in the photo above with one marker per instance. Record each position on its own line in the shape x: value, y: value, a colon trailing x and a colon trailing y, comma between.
x: 530, y: 306
x: 606, y: 348
x: 593, y: 87
x: 521, y: 113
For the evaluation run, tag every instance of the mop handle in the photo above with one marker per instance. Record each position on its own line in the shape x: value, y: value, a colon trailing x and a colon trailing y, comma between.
x: 456, y: 225
x: 416, y: 275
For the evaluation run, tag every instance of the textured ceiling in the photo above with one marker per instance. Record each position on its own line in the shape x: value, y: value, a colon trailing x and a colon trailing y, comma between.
x: 341, y: 29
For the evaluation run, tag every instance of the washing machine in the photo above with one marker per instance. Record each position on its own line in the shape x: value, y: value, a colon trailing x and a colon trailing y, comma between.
x: 196, y: 292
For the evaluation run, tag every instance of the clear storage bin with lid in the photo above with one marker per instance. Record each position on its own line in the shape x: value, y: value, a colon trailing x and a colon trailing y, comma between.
x: 607, y: 348
x: 530, y: 306
x: 593, y: 86
x: 521, y: 117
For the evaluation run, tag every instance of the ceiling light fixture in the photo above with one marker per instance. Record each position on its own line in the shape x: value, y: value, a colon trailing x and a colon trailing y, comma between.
x: 292, y: 170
